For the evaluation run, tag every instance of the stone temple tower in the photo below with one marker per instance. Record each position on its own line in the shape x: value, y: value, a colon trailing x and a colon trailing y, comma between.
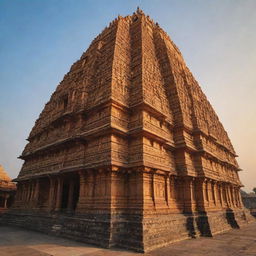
x: 128, y: 151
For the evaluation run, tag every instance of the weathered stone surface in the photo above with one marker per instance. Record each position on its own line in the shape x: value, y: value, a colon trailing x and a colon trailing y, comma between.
x: 128, y: 151
x: 16, y: 242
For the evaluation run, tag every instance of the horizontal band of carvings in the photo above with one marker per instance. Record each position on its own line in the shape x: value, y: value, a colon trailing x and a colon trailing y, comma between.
x: 117, y: 169
x: 86, y: 111
x: 193, y: 131
x: 217, y: 160
x: 216, y: 142
x: 102, y: 130
x: 57, y: 143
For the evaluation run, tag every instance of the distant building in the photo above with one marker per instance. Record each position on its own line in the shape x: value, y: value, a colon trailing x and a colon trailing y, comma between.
x: 7, y: 190
x: 249, y: 201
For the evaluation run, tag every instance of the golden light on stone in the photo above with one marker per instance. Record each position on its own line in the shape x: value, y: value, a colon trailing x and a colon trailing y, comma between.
x: 128, y: 151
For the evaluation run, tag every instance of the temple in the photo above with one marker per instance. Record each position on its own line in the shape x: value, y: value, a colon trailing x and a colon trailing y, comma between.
x: 128, y: 151
x: 7, y: 190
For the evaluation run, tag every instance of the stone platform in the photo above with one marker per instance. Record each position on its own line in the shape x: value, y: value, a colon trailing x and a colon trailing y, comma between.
x: 16, y: 242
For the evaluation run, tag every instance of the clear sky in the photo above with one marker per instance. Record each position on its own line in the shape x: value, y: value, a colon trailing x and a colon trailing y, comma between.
x: 40, y: 39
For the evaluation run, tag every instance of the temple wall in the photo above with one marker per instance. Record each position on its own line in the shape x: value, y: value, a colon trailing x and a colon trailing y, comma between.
x: 110, y: 203
x: 155, y: 155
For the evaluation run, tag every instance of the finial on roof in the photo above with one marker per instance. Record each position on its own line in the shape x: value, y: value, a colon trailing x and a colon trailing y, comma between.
x: 139, y: 11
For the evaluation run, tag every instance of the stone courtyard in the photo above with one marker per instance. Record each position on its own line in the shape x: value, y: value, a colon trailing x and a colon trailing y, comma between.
x: 16, y: 242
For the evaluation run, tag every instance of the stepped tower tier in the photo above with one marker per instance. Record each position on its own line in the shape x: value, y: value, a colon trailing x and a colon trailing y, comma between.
x: 128, y: 151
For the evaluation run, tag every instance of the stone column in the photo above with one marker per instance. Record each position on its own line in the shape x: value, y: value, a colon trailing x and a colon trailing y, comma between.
x: 200, y: 194
x: 172, y: 193
x: 210, y: 193
x: 153, y: 188
x: 167, y: 190
x: 18, y: 192
x: 82, y: 192
x: 230, y: 195
x: 70, y: 196
x: 227, y: 195
x: 192, y: 193
x: 51, y: 194
x: 236, y: 197
x: 215, y: 194
x: 36, y: 193
x: 188, y: 195
x: 220, y: 194
x: 23, y: 192
x: 240, y: 199
x: 5, y: 201
x: 205, y: 194
x: 59, y: 194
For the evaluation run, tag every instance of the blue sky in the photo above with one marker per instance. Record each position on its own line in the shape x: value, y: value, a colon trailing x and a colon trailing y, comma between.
x: 39, y: 40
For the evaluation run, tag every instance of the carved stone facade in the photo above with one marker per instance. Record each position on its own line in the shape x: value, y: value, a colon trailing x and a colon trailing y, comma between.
x: 128, y: 151
x: 7, y: 190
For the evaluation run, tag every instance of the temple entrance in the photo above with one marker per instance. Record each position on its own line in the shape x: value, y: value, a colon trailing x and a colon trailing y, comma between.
x: 10, y: 201
x: 65, y: 194
x: 44, y: 188
x: 70, y: 192
x: 2, y: 202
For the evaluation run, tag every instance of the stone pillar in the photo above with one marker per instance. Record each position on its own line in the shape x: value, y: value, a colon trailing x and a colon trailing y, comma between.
x: 36, y: 193
x: 193, y: 194
x: 70, y: 196
x: 180, y: 193
x: 200, y: 194
x: 82, y: 192
x: 231, y: 196
x: 5, y: 201
x: 167, y: 190
x: 220, y: 194
x: 210, y: 194
x: 237, y: 197
x: 205, y: 194
x: 27, y: 191
x: 153, y: 188
x: 18, y: 192
x: 172, y: 193
x: 51, y: 194
x: 238, y: 194
x: 227, y: 195
x: 240, y: 199
x: 188, y: 189
x: 215, y: 194
x: 59, y: 194
x: 23, y: 192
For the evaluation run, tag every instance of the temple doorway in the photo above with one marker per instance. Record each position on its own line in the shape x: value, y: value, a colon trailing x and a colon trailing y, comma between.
x: 2, y: 202
x: 44, y: 188
x: 70, y: 192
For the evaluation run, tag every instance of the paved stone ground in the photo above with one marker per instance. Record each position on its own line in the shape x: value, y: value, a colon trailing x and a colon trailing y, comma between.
x: 19, y: 242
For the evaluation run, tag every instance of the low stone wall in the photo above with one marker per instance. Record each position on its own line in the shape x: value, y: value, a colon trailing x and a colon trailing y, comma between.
x: 162, y: 230
x: 130, y: 231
